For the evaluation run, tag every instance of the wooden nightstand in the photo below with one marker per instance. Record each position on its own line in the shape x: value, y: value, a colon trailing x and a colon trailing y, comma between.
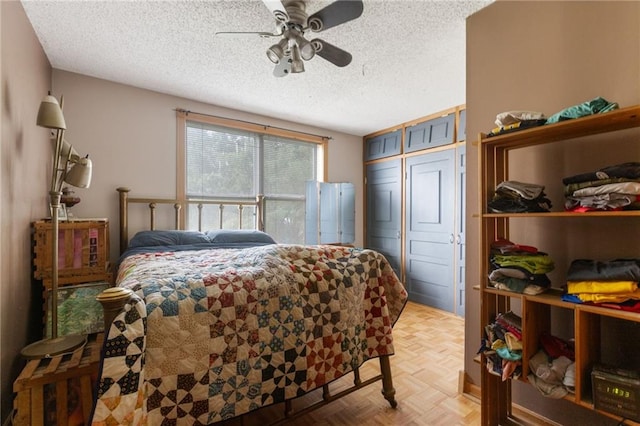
x: 58, y: 390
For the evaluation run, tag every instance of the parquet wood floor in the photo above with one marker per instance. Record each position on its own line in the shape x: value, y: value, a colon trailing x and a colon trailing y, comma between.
x: 429, y: 354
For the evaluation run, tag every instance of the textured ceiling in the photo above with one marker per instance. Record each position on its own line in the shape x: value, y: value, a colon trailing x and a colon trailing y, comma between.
x: 408, y: 56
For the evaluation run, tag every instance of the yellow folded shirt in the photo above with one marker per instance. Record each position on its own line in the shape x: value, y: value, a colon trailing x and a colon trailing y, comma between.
x: 609, y: 298
x: 580, y: 287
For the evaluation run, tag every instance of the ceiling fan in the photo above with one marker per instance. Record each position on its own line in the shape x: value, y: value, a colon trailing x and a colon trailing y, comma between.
x: 292, y: 22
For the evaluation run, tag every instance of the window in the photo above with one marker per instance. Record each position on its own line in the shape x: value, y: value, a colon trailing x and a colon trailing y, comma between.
x: 240, y: 163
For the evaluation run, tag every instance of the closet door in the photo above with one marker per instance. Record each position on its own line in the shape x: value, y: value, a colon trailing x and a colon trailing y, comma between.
x: 460, y: 227
x: 430, y: 239
x: 384, y: 210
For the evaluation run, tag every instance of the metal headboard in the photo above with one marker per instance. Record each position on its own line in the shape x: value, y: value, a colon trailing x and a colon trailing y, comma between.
x: 181, y: 206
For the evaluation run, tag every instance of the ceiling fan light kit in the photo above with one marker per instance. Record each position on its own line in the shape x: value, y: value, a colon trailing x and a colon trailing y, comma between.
x: 276, y: 52
x: 297, y: 66
x: 291, y: 24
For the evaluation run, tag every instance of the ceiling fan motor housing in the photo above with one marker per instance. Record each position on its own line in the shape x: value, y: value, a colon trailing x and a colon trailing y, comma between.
x: 297, y: 13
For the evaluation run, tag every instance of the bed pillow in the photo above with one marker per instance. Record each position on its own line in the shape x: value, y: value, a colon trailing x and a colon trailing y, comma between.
x: 167, y: 238
x: 239, y: 236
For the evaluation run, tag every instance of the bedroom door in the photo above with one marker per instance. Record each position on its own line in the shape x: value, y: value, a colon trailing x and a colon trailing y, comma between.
x: 384, y: 210
x: 430, y: 239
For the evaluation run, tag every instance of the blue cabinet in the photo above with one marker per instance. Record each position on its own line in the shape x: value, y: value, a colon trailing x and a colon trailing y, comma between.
x: 415, y: 208
x: 436, y: 132
x: 330, y: 213
x: 382, y: 146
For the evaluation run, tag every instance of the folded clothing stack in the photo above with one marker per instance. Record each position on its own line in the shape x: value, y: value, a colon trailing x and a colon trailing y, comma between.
x: 614, y: 187
x: 519, y: 268
x: 511, y: 121
x: 597, y: 105
x: 552, y: 368
x: 519, y: 197
x: 612, y: 283
x: 502, y: 346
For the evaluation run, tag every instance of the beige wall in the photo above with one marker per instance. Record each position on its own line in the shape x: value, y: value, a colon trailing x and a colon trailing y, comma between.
x: 130, y: 134
x: 545, y: 56
x: 25, y: 162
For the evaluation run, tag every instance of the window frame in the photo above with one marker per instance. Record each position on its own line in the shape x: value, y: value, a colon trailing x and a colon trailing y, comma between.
x: 182, y: 116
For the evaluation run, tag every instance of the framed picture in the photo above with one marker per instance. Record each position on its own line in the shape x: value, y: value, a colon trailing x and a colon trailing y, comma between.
x: 78, y: 310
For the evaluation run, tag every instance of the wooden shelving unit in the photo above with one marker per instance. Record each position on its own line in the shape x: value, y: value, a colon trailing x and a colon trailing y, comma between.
x: 537, y: 310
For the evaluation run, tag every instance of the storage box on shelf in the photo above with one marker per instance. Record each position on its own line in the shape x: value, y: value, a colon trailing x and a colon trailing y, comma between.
x: 537, y: 311
x: 83, y: 251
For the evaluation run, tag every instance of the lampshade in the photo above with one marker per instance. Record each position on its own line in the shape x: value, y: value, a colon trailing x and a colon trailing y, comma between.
x: 276, y: 52
x: 296, y: 62
x: 307, y: 51
x: 50, y: 114
x: 80, y: 174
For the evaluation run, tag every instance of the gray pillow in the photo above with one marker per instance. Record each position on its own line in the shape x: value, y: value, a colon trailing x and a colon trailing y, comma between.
x: 167, y: 238
x: 239, y: 236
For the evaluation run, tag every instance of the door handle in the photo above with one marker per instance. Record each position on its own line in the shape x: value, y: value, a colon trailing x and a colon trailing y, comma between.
x: 451, y: 238
x: 458, y: 239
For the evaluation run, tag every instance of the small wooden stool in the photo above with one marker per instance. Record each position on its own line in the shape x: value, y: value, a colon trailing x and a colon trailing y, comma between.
x: 60, y: 387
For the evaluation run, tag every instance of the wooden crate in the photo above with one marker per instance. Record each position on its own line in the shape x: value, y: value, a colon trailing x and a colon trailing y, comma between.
x: 83, y: 251
x: 58, y: 390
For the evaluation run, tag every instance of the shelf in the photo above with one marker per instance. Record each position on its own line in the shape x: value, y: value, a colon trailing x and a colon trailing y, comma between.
x: 553, y: 298
x: 622, y: 213
x: 609, y: 312
x: 620, y: 119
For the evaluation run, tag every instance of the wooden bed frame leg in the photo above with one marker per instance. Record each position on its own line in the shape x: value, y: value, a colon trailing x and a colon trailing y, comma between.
x: 288, y: 408
x: 356, y: 377
x: 326, y: 394
x: 388, y: 391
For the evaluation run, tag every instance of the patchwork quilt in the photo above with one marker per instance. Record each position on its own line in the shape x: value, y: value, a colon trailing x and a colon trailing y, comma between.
x: 213, y: 334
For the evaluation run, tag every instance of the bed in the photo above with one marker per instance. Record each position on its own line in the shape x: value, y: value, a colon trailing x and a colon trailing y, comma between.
x: 207, y: 326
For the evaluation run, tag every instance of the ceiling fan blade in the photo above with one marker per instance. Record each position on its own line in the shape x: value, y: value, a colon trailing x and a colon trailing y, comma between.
x: 261, y: 34
x: 283, y: 68
x: 277, y: 9
x: 336, y: 13
x: 331, y: 53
